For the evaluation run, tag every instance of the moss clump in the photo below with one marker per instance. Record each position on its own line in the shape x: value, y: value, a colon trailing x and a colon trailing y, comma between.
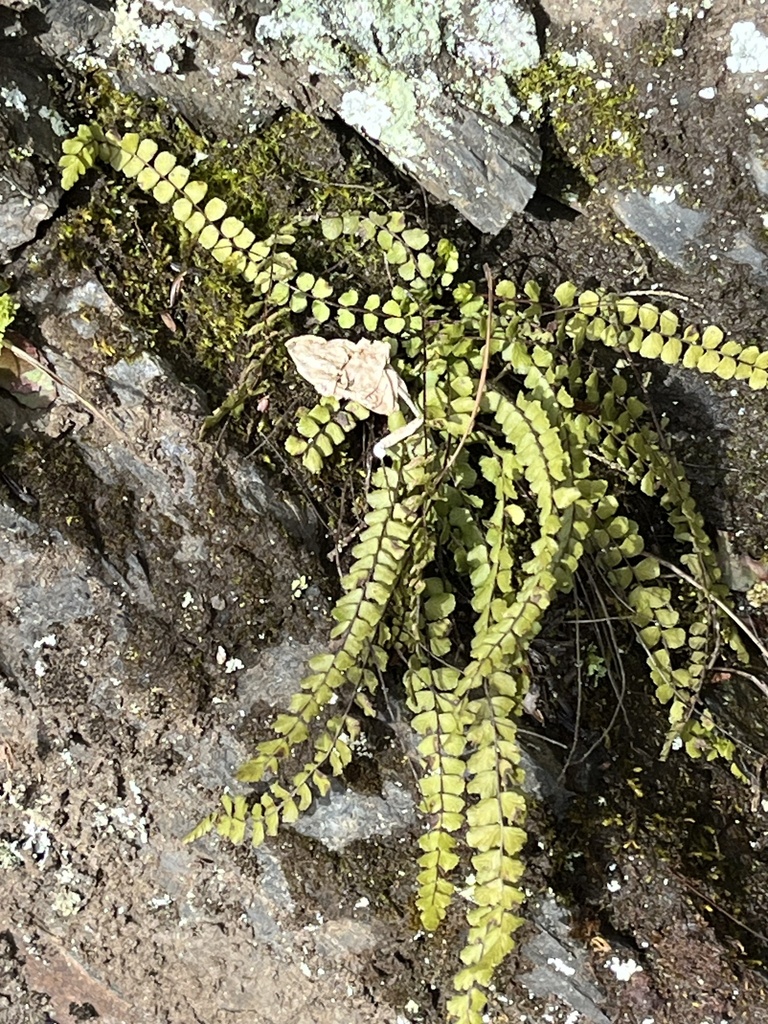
x: 214, y: 331
x: 594, y: 121
x: 660, y: 46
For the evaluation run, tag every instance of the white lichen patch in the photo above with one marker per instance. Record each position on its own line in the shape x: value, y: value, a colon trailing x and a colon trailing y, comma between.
x: 59, y: 125
x: 561, y: 966
x: 157, y: 40
x: 209, y: 20
x: 66, y: 902
x: 14, y: 99
x: 493, y: 43
x: 362, y: 109
x: 396, y: 45
x: 157, y: 902
x: 110, y: 820
x: 244, y: 68
x: 582, y: 60
x: 623, y: 969
x: 496, y: 36
x: 168, y: 7
x: 158, y: 28
x: 662, y: 195
x: 749, y: 49
x: 37, y: 839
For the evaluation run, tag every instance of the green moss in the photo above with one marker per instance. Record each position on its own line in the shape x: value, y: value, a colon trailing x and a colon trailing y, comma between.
x: 97, y: 98
x: 293, y: 169
x: 594, y: 121
x: 659, y: 47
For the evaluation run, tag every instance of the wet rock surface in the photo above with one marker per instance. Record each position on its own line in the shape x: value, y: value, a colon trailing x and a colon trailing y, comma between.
x: 149, y: 619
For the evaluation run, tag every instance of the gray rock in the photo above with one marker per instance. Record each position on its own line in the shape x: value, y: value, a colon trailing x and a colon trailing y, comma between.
x: 668, y: 227
x: 745, y: 251
x: 684, y: 236
x: 200, y: 60
x: 20, y: 217
x: 77, y: 31
x: 614, y: 20
x: 29, y: 191
x: 171, y: 563
x: 427, y: 87
x: 272, y: 680
x: 346, y: 817
x: 121, y: 719
x: 560, y: 965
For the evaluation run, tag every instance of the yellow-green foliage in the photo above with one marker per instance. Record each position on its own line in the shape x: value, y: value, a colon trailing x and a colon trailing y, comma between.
x: 8, y: 309
x: 221, y: 338
x: 515, y: 477
x: 594, y: 120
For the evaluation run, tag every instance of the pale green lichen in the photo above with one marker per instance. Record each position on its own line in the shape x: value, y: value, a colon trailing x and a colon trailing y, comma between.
x: 386, y: 110
x: 381, y: 54
x: 158, y: 40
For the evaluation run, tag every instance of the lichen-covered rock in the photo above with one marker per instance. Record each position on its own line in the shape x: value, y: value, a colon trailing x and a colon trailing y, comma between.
x: 29, y: 189
x: 124, y: 705
x: 426, y: 84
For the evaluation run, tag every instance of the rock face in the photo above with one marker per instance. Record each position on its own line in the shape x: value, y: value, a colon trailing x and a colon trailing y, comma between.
x: 427, y: 85
x: 29, y: 130
x: 132, y: 599
x: 150, y: 622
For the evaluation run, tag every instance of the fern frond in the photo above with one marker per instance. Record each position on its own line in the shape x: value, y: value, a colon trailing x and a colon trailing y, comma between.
x: 323, y: 430
x: 555, y: 552
x: 80, y: 154
x: 496, y: 837
x: 643, y: 459
x: 440, y: 719
x: 229, y: 821
x: 368, y: 587
x: 281, y: 805
x: 262, y: 263
x: 379, y: 557
x: 653, y: 334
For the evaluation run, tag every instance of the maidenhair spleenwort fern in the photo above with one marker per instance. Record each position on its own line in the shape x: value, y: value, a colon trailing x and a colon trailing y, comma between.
x: 488, y: 510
